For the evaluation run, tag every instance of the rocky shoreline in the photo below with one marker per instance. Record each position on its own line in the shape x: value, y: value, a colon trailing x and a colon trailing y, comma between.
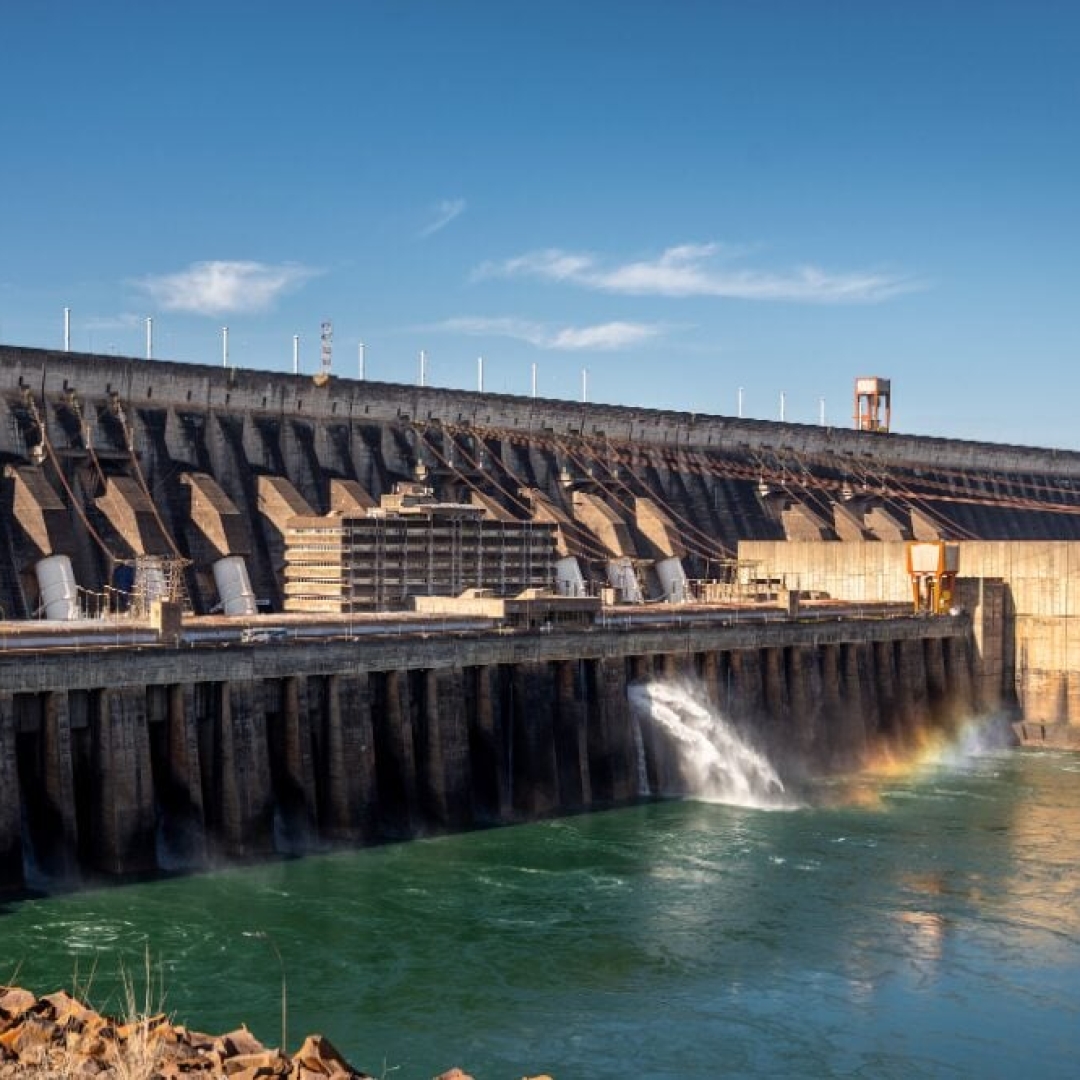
x: 58, y: 1036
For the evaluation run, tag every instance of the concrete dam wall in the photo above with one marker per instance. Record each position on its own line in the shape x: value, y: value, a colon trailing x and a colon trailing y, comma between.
x: 108, y: 459
x: 1024, y: 598
x: 124, y: 761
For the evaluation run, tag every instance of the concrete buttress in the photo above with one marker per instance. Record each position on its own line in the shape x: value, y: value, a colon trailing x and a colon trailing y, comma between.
x: 572, y: 736
x: 612, y: 756
x: 536, y: 771
x: 912, y: 695
x: 443, y: 751
x: 246, y: 805
x: 350, y: 769
x: 179, y: 789
x: 292, y: 766
x: 936, y: 681
x: 124, y: 818
x: 395, y: 759
x: 487, y: 738
x: 959, y: 678
x: 805, y: 691
x: 59, y: 786
x: 11, y: 853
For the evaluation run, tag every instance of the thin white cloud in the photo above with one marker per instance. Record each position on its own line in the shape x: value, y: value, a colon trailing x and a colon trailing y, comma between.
x: 226, y: 288
x: 444, y: 212
x: 602, y: 336
x: 126, y: 321
x: 693, y: 270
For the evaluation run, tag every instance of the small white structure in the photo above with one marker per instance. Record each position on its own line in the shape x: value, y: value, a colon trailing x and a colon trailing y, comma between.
x: 673, y: 580
x: 56, y: 583
x: 624, y: 580
x: 234, y: 586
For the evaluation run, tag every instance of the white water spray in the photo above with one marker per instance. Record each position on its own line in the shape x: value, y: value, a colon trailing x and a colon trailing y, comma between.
x: 716, y: 764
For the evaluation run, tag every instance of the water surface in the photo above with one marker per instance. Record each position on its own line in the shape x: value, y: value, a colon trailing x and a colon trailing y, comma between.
x: 921, y: 926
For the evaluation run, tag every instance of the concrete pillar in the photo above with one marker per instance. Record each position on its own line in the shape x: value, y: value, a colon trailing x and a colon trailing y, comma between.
x: 180, y: 793
x: 744, y: 695
x: 912, y: 696
x: 856, y: 706
x: 993, y: 628
x: 490, y: 747
x: 292, y: 763
x: 865, y: 669
x: 641, y: 668
x: 804, y: 692
x: 612, y: 755
x: 958, y: 677
x: 123, y: 814
x: 60, y: 860
x: 884, y: 678
x: 444, y: 778
x: 833, y: 712
x: 937, y: 696
x: 352, y: 793
x: 677, y: 667
x: 710, y: 673
x: 395, y: 760
x: 572, y: 737
x: 776, y: 721
x: 11, y: 853
x: 535, y: 768
x: 246, y: 800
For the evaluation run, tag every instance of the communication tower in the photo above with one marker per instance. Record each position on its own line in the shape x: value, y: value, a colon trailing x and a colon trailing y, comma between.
x: 873, y: 403
x: 326, y: 337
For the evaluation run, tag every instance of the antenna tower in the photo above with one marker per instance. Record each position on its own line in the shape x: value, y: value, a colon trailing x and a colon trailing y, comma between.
x: 327, y: 338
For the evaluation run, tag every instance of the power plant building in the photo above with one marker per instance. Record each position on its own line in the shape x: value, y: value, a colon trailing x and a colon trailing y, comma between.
x: 411, y: 546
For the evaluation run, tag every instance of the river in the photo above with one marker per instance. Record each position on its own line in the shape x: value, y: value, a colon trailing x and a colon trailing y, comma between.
x: 920, y: 922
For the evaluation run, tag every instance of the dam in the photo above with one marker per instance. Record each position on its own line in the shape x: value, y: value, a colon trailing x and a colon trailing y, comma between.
x: 209, y: 547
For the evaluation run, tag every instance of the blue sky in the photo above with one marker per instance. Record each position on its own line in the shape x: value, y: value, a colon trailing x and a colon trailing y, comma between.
x: 683, y: 198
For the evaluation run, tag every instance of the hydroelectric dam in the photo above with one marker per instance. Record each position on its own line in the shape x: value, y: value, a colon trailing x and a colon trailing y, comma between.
x: 247, y: 612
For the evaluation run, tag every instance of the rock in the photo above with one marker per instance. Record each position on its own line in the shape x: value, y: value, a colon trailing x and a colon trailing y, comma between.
x: 240, y: 1041
x: 30, y: 1034
x: 318, y: 1058
x: 62, y: 1007
x: 268, y: 1063
x: 14, y: 1001
x: 454, y: 1074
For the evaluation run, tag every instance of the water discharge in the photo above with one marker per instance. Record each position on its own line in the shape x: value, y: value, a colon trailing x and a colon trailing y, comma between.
x: 714, y: 762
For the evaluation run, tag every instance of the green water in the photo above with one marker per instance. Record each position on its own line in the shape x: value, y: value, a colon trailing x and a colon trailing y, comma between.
x: 928, y: 926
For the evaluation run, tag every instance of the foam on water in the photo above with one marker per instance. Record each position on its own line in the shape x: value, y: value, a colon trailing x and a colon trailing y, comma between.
x: 715, y: 761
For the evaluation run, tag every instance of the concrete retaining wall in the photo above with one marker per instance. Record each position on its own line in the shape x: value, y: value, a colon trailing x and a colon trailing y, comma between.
x: 125, y: 761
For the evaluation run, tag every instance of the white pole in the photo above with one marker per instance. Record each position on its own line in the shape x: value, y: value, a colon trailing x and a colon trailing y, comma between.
x: 423, y: 368
x: 67, y: 329
x: 783, y: 404
x: 296, y: 354
x: 821, y: 404
x: 225, y: 346
x: 149, y: 339
x: 480, y: 374
x: 534, y: 380
x: 740, y: 402
x: 360, y: 360
x: 584, y: 384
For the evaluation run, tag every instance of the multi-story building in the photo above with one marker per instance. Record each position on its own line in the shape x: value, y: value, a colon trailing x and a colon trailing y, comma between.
x: 410, y: 546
